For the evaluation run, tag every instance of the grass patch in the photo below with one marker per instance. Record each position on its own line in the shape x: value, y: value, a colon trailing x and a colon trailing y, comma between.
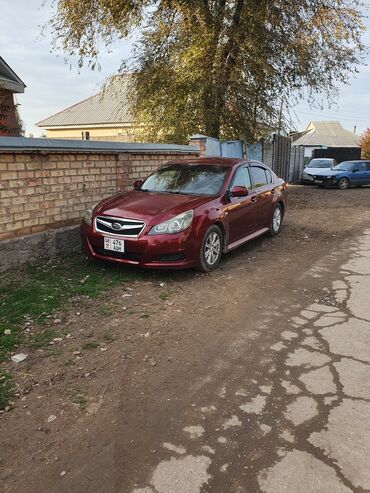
x: 33, y: 292
x: 108, y: 338
x: 42, y: 339
x: 6, y: 389
x: 90, y: 345
x: 80, y: 399
x: 144, y: 316
x: 164, y: 296
x: 106, y: 310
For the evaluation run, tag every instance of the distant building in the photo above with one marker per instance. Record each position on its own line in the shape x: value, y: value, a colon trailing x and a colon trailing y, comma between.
x: 324, y: 135
x: 104, y: 116
x: 10, y: 84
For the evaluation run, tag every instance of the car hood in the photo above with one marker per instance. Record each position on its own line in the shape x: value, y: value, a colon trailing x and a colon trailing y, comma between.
x: 327, y: 172
x: 315, y: 171
x: 148, y: 206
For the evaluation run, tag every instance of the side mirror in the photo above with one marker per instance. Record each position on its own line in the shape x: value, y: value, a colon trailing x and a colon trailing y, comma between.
x: 137, y: 184
x: 238, y: 192
x: 355, y: 170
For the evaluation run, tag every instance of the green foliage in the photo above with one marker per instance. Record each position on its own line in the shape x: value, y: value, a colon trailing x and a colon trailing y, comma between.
x: 80, y: 399
x: 36, y: 291
x: 6, y: 389
x: 224, y: 68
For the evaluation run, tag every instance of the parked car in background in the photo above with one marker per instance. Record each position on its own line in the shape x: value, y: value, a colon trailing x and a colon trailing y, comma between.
x: 186, y: 214
x: 345, y: 175
x: 316, y: 165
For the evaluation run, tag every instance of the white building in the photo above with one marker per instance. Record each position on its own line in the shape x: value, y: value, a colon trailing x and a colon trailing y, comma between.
x: 321, y: 135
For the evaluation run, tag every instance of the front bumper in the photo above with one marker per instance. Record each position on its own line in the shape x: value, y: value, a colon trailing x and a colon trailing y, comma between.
x: 307, y: 179
x: 178, y: 251
x: 325, y: 181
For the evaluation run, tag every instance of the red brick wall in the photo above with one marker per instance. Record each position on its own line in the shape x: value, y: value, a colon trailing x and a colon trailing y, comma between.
x: 39, y: 191
x: 8, y: 120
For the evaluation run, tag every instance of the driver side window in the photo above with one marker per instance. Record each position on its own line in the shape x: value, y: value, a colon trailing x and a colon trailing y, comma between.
x: 360, y: 167
x: 242, y: 178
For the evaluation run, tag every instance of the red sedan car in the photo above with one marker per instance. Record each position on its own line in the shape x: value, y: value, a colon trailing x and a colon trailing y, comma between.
x: 187, y: 214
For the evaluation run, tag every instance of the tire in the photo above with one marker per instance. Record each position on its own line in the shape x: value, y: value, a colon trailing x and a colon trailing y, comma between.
x: 343, y: 183
x: 276, y: 221
x: 211, y: 249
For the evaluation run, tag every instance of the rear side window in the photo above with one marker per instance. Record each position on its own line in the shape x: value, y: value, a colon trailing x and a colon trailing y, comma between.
x: 242, y: 178
x: 259, y: 176
x: 368, y: 165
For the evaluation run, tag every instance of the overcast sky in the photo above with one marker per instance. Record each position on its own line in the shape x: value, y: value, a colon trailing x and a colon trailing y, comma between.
x: 52, y: 85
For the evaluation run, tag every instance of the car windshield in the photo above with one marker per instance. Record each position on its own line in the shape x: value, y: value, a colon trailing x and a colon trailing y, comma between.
x: 345, y: 166
x: 320, y: 163
x: 190, y: 179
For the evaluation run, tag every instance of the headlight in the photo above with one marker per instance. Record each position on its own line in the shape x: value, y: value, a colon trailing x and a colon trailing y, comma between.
x: 89, y: 213
x: 174, y: 225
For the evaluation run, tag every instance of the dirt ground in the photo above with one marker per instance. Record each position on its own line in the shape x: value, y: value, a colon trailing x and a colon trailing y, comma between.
x: 87, y: 419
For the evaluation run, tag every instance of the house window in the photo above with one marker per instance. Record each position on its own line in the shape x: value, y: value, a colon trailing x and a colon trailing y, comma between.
x: 85, y: 135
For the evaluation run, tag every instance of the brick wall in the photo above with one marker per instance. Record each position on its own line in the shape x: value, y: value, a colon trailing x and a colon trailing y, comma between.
x: 43, y: 190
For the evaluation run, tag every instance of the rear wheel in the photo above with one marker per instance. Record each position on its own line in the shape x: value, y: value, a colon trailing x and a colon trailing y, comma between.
x: 343, y: 183
x: 211, y: 249
x: 276, y: 220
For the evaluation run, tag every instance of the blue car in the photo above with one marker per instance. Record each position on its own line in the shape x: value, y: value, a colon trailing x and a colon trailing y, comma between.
x: 345, y: 175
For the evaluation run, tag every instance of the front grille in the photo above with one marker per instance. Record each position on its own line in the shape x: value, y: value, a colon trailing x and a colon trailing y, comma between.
x: 118, y: 255
x: 119, y: 226
x: 171, y: 257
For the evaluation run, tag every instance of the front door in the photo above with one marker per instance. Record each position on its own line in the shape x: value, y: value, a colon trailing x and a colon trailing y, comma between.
x: 359, y: 177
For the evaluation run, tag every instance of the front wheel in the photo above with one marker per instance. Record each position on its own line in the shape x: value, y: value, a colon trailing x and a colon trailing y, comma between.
x: 211, y: 249
x: 343, y: 183
x: 276, y: 221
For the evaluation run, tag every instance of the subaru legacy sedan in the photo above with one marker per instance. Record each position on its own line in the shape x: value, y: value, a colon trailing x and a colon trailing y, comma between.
x: 187, y: 214
x: 345, y: 175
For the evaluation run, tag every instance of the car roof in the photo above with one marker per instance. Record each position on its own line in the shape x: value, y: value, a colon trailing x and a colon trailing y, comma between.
x: 212, y: 161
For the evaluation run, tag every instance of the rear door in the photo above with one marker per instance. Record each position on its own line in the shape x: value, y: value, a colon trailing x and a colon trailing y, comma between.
x: 241, y: 211
x: 367, y: 181
x: 263, y: 190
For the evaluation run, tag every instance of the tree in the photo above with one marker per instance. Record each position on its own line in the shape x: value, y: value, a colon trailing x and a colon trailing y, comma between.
x: 365, y: 144
x: 220, y: 67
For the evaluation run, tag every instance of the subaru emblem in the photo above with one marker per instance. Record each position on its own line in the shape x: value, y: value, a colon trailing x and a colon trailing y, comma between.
x: 116, y: 226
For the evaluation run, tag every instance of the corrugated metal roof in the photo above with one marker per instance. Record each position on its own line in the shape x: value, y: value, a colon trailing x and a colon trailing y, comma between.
x: 9, y: 79
x: 110, y: 106
x: 330, y: 134
x: 63, y: 145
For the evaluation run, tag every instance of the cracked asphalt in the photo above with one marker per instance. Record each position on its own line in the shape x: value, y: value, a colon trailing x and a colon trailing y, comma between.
x: 302, y: 423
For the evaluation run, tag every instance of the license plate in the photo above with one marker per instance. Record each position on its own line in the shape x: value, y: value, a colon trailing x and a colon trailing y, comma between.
x: 319, y: 181
x: 114, y: 245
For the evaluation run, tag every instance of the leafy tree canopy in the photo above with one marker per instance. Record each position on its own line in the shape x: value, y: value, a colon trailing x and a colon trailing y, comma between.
x: 220, y: 67
x: 365, y: 144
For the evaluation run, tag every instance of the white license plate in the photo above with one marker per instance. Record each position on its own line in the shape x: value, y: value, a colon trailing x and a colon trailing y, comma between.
x: 114, y: 245
x: 319, y: 181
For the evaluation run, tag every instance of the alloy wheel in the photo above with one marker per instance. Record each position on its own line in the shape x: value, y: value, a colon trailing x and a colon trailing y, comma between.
x: 343, y: 183
x: 212, y: 248
x: 276, y: 219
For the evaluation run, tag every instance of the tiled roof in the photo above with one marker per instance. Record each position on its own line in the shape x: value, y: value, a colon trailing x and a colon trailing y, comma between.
x: 110, y: 106
x: 330, y: 134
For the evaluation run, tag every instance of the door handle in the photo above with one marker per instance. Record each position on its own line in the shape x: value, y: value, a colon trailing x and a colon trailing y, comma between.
x: 253, y: 200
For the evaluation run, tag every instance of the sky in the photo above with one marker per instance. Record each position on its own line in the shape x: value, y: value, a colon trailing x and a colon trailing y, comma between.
x: 52, y: 84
